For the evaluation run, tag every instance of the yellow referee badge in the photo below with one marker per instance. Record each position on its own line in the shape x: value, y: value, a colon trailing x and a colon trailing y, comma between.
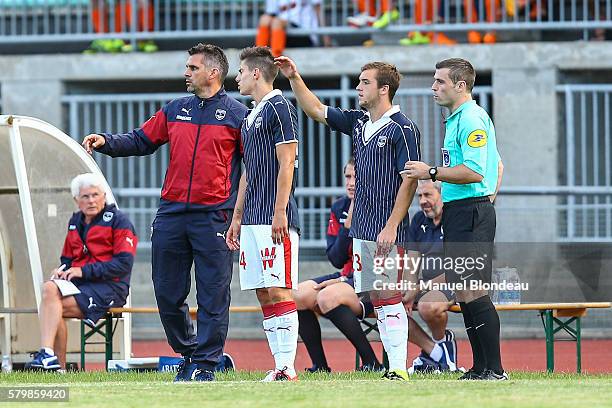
x: 477, y: 138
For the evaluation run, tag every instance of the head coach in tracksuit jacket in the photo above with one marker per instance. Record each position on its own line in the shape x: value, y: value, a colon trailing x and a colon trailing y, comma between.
x: 197, y: 198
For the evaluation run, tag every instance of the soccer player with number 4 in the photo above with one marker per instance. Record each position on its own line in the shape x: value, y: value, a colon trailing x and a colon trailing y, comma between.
x: 265, y: 216
x: 384, y: 140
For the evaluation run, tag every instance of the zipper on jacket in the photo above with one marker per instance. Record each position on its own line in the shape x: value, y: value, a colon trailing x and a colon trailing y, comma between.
x: 195, y: 149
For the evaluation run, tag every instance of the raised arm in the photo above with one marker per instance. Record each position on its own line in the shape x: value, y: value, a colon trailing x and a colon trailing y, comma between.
x: 307, y: 100
x: 139, y: 142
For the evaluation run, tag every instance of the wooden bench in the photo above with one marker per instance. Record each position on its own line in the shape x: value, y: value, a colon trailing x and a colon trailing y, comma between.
x: 550, y: 313
x: 106, y: 328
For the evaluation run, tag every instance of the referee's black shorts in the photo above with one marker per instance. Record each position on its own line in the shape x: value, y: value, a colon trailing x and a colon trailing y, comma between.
x: 469, y: 230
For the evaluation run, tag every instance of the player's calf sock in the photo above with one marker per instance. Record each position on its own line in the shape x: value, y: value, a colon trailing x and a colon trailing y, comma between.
x: 478, y: 356
x: 344, y: 319
x: 263, y: 36
x: 310, y: 332
x: 269, y: 326
x: 436, y: 353
x: 49, y: 351
x: 396, y: 325
x: 380, y: 322
x: 287, y: 324
x: 487, y: 326
x: 278, y: 41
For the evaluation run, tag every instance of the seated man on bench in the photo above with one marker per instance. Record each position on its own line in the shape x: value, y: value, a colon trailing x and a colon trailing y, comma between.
x: 97, y: 258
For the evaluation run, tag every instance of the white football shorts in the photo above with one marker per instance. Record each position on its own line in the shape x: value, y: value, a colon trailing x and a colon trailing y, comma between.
x: 262, y: 263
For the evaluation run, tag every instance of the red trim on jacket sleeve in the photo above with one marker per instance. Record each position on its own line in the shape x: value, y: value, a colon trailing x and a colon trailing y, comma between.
x: 124, y: 240
x: 333, y: 226
x: 156, y: 128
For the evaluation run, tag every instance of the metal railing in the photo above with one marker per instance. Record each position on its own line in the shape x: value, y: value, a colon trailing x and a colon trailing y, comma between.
x: 136, y: 181
x: 82, y: 20
x: 586, y: 151
x: 583, y: 207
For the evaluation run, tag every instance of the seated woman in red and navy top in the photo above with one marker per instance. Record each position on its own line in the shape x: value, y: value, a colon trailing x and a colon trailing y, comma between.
x: 97, y: 258
x: 333, y: 295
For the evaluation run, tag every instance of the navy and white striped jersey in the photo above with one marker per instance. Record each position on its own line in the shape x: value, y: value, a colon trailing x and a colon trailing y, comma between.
x: 381, y: 150
x: 271, y: 123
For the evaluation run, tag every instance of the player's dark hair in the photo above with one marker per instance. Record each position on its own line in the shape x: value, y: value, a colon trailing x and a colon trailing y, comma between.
x: 351, y: 162
x: 213, y: 57
x: 459, y: 70
x: 386, y: 74
x: 261, y: 58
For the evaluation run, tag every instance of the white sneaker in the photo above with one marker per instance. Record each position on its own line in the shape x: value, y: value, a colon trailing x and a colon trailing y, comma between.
x: 270, y: 376
x: 360, y: 20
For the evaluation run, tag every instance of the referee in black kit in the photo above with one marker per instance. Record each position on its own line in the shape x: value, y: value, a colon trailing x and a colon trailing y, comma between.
x: 471, y: 173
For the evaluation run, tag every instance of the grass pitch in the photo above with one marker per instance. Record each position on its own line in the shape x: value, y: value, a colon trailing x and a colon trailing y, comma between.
x: 243, y: 389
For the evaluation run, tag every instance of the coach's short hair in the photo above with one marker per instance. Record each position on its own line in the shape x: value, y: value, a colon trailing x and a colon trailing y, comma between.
x: 262, y: 58
x: 213, y: 56
x: 86, y: 180
x: 459, y: 70
x: 386, y: 74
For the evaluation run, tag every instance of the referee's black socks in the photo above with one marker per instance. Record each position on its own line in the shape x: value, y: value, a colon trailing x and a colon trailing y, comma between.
x: 486, y: 322
x: 478, y: 355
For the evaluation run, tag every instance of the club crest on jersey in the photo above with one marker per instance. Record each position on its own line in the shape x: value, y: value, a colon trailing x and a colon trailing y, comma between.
x: 382, y: 141
x: 258, y: 122
x: 220, y: 114
x: 107, y: 216
x: 477, y: 138
x: 445, y: 157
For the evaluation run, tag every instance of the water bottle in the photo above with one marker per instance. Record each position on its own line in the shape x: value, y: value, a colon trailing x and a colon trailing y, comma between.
x: 509, y: 292
x: 7, y: 365
x: 494, y: 292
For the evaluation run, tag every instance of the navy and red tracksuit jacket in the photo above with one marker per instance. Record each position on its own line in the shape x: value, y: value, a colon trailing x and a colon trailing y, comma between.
x: 104, y: 249
x: 339, y: 244
x: 205, y: 151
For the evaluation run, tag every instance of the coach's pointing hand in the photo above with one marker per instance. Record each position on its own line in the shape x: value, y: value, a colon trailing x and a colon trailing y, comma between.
x: 417, y: 170
x: 93, y: 141
x: 287, y: 66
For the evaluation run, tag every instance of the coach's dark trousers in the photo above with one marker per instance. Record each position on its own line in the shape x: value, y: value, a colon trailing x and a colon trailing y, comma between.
x: 179, y: 240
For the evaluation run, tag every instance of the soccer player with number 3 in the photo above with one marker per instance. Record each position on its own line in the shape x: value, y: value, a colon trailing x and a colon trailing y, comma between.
x: 384, y: 140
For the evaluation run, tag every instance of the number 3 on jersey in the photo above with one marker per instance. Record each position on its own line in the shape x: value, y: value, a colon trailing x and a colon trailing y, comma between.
x: 242, y: 262
x: 357, y: 263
